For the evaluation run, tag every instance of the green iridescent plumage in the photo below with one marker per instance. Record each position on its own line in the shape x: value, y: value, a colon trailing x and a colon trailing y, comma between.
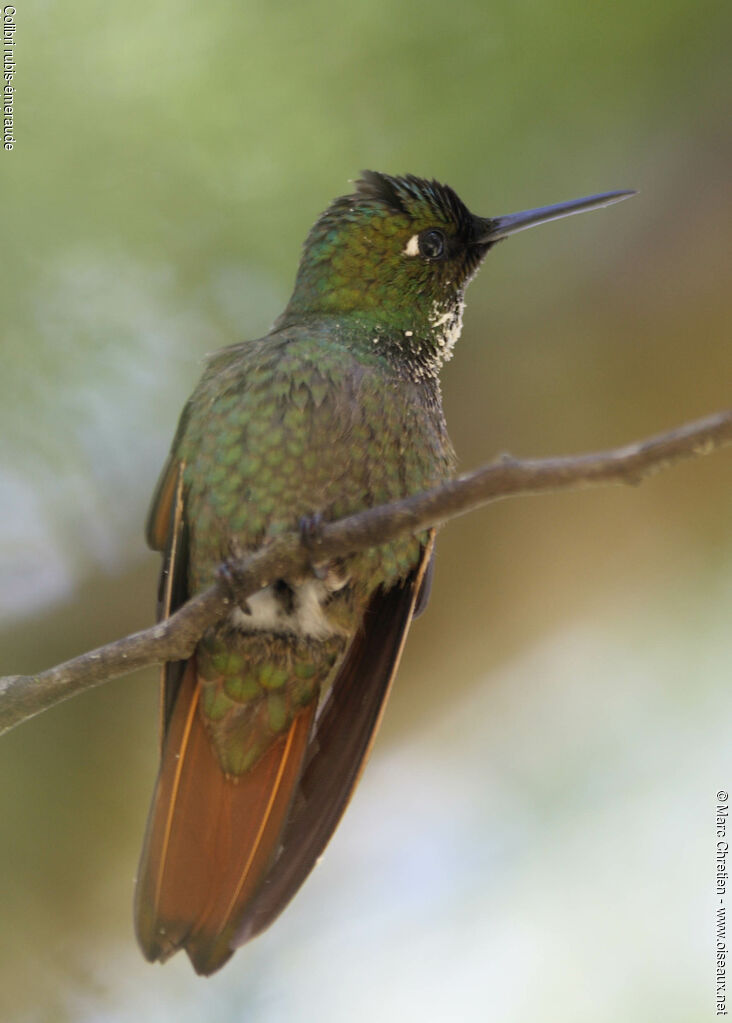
x: 281, y: 429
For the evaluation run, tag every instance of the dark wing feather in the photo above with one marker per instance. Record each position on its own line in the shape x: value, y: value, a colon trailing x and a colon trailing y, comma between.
x: 425, y: 587
x: 344, y: 734
x: 167, y: 531
x: 159, y: 517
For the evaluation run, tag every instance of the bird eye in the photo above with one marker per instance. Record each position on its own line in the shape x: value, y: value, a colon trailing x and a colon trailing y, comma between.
x: 432, y: 244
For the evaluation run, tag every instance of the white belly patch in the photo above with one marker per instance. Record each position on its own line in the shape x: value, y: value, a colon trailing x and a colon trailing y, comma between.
x: 298, y: 610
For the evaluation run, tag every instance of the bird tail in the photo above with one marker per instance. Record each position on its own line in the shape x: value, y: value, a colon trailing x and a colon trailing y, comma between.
x: 211, y: 838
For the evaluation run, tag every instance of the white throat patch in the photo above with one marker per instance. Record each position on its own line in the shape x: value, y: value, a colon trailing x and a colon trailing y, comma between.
x: 446, y: 322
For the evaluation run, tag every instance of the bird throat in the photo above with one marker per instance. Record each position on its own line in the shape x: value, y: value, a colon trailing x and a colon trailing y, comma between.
x: 415, y: 344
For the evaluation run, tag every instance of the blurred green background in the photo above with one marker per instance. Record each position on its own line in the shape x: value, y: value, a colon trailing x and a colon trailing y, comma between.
x: 536, y: 841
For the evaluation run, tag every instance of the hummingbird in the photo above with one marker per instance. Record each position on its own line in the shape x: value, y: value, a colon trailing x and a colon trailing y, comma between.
x: 267, y: 726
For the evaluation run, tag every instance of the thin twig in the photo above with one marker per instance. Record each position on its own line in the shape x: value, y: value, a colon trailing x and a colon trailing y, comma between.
x: 22, y: 696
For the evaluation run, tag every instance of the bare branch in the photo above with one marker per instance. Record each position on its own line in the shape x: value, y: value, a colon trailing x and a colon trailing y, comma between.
x: 22, y: 696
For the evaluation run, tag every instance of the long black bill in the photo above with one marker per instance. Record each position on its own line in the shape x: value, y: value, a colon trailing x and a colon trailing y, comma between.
x: 501, y: 227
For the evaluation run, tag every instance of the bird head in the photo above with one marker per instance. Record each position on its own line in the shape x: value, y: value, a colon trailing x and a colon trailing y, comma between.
x: 398, y: 252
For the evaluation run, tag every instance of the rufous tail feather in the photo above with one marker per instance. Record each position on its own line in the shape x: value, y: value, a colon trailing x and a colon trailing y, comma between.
x: 211, y: 838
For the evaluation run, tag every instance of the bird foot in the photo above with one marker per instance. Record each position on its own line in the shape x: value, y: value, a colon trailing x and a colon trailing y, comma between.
x: 237, y: 585
x: 311, y: 530
x: 311, y: 534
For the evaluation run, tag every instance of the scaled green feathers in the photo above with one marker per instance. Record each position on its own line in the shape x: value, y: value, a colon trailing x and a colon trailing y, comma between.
x: 295, y: 425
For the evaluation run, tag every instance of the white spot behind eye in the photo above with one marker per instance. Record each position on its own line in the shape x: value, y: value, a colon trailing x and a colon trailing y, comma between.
x: 412, y: 246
